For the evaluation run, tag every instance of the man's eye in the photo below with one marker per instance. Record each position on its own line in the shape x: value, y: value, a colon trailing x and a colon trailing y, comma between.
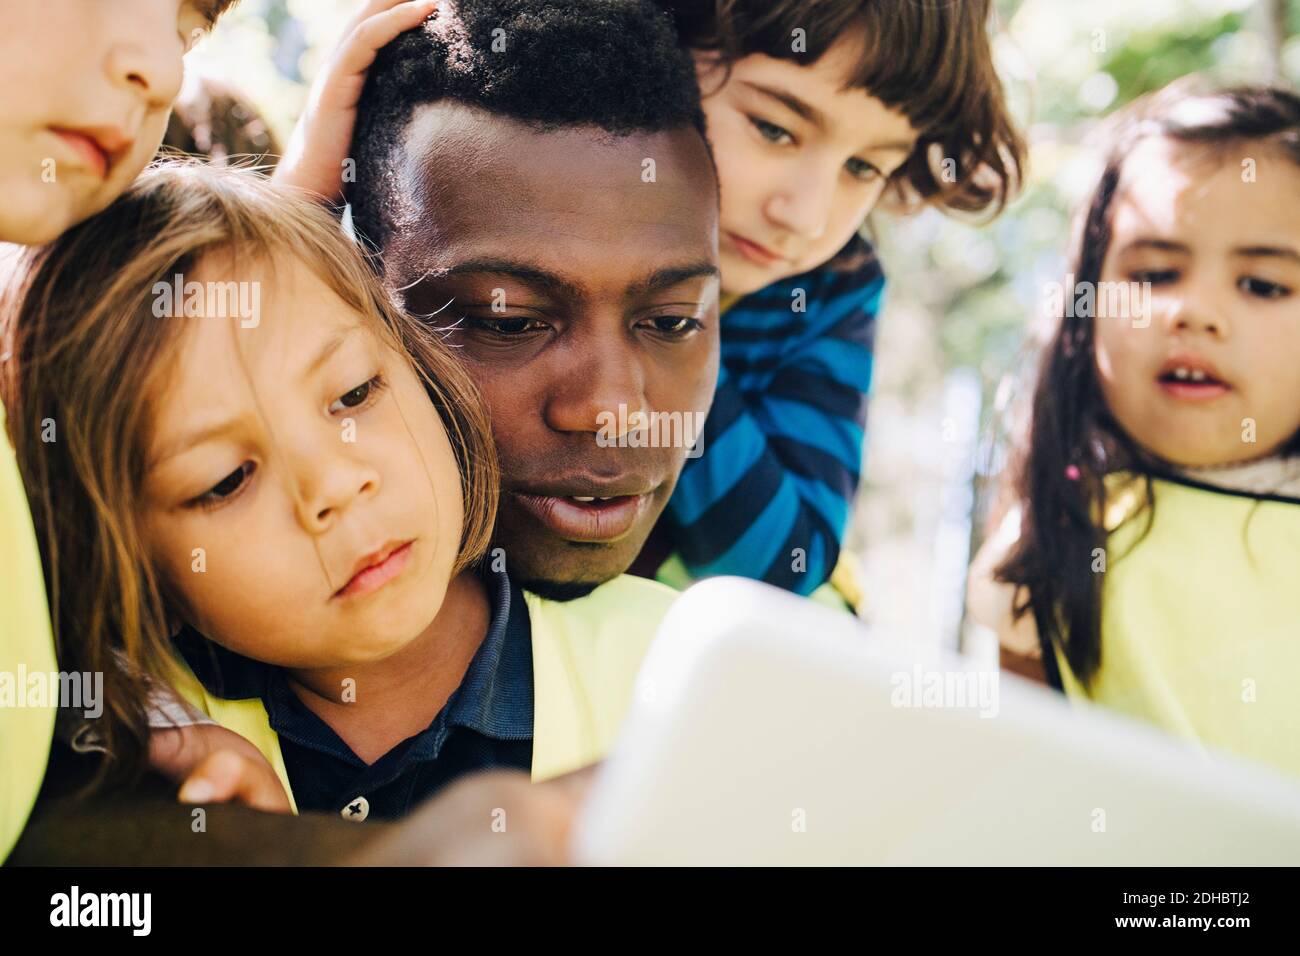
x: 771, y: 132
x: 863, y: 170
x: 1155, y: 276
x: 676, y: 325
x: 359, y: 395
x: 1262, y: 288
x: 506, y: 326
x: 228, y: 485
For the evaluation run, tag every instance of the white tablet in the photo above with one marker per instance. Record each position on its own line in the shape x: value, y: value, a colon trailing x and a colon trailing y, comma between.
x: 769, y: 730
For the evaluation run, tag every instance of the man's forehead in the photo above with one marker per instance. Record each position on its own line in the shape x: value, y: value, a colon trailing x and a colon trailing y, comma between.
x: 471, y: 177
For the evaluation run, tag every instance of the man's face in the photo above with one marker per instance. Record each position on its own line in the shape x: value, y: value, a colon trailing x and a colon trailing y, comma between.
x: 579, y: 273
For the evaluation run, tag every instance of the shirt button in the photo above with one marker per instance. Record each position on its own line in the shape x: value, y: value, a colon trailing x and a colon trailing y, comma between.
x: 356, y: 810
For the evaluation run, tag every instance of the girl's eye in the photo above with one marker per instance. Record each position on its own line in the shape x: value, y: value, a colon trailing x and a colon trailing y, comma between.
x: 677, y: 326
x: 862, y: 170
x: 359, y: 395
x: 1262, y: 288
x: 227, y: 486
x: 771, y: 132
x: 1155, y: 277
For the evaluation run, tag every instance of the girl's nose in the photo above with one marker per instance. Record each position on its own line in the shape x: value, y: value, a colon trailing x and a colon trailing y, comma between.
x: 1193, y: 314
x: 145, y: 56
x: 328, y: 488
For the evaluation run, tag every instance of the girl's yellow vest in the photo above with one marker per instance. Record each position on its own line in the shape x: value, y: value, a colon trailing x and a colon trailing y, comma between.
x: 1201, y: 618
x: 26, y: 647
x: 586, y: 654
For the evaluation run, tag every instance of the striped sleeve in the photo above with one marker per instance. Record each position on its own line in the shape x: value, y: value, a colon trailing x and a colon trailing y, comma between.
x: 770, y: 495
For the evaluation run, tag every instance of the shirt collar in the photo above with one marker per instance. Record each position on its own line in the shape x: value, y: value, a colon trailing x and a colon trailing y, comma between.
x: 496, y: 695
x: 495, y: 698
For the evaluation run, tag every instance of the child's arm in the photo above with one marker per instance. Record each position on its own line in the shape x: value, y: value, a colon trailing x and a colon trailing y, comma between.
x: 320, y: 141
x: 216, y: 765
x: 991, y: 602
x: 212, y: 764
x: 779, y: 470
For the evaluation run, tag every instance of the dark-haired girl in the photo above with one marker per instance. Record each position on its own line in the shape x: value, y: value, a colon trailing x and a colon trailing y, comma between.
x: 1151, y: 565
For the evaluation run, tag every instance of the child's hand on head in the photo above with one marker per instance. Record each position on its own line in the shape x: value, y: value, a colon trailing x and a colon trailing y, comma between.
x: 319, y: 146
x: 216, y: 765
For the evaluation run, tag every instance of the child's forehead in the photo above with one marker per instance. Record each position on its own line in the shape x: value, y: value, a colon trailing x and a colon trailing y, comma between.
x: 827, y: 92
x: 256, y: 313
x: 1163, y: 177
x: 834, y: 72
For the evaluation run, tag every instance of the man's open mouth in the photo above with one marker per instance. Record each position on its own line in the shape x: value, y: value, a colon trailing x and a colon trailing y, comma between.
x: 589, y: 518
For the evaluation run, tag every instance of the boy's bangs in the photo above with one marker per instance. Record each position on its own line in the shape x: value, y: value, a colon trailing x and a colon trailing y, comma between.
x: 942, y: 38
x: 929, y: 59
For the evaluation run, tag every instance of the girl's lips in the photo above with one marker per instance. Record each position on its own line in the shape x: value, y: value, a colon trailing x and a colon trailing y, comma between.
x: 372, y: 578
x: 1191, y: 378
x: 594, y: 521
x: 1189, y: 391
x: 759, y: 255
x: 88, y: 149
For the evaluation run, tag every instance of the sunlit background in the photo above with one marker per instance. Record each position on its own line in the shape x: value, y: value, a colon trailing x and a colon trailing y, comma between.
x: 963, y: 300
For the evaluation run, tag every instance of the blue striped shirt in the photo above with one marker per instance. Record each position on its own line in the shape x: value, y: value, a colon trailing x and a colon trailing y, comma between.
x: 770, y: 495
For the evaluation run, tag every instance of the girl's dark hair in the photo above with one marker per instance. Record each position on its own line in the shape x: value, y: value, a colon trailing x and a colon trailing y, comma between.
x: 929, y: 59
x: 1074, y: 442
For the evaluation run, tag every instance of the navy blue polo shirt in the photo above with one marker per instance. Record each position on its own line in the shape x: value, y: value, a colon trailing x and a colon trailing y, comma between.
x: 487, y: 721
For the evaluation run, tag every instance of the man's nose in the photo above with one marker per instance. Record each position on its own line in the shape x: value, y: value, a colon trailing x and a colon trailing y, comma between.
x: 601, y: 390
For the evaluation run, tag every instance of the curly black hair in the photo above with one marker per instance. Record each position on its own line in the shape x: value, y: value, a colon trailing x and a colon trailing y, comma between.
x: 552, y: 64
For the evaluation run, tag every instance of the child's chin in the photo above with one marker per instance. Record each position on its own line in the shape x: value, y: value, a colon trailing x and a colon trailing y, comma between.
x: 389, y: 633
x: 44, y: 218
x: 741, y: 277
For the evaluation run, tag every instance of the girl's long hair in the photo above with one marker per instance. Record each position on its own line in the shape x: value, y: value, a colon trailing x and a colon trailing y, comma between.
x: 1074, y: 442
x: 81, y: 346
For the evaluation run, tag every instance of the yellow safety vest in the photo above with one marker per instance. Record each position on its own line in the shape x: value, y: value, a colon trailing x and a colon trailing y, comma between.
x: 1200, y: 628
x: 842, y: 592
x: 26, y: 648
x: 586, y: 654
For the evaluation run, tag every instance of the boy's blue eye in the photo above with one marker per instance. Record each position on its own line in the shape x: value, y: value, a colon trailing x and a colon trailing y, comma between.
x: 771, y: 132
x: 861, y: 169
x: 1262, y: 288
